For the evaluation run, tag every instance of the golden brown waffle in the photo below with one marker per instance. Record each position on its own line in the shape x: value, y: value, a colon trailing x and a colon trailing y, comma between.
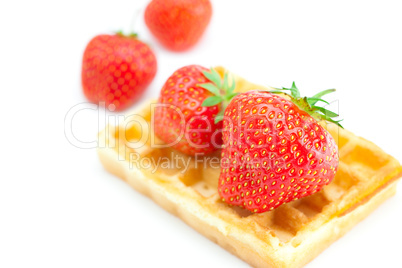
x: 289, y: 236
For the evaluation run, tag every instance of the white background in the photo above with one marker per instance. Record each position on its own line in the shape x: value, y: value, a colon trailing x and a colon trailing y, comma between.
x: 59, y: 208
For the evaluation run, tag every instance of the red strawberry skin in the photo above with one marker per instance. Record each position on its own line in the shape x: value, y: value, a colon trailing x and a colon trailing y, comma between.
x: 273, y: 152
x: 178, y: 24
x: 180, y: 120
x: 117, y: 69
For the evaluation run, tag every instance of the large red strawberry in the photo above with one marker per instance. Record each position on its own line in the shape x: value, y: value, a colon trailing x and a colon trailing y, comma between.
x: 190, y: 109
x: 274, y: 149
x: 116, y: 69
x: 178, y: 24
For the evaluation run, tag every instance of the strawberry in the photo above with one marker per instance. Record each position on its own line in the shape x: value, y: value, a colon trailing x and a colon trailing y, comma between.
x: 190, y: 109
x: 178, y: 24
x: 274, y: 150
x: 117, y: 69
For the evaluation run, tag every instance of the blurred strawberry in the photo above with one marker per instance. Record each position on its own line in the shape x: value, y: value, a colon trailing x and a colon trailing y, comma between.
x: 178, y: 24
x: 117, y: 69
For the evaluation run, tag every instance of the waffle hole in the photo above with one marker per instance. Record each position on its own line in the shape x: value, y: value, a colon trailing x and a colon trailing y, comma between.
x: 133, y: 133
x: 333, y: 192
x: 134, y: 130
x: 263, y: 219
x: 315, y: 202
x: 307, y: 210
x: 340, y: 140
x: 344, y: 177
x: 241, y: 212
x: 190, y: 176
x: 161, y: 161
x: 202, y: 174
x: 289, y: 218
x: 365, y: 161
x: 204, y: 189
x: 210, y: 167
x: 147, y: 114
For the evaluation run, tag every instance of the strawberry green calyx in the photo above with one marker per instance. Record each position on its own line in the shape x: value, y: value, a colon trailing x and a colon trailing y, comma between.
x: 222, y: 92
x: 308, y: 104
x: 132, y: 34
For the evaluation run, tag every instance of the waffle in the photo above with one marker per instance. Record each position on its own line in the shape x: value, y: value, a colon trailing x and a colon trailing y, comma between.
x: 289, y: 236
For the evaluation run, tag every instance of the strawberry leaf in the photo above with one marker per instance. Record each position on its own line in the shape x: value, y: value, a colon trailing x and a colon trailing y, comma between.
x: 219, y: 116
x: 211, y: 88
x: 225, y: 81
x: 277, y: 92
x: 325, y: 111
x: 295, y: 91
x: 211, y: 101
x: 324, y: 92
x: 336, y: 122
x: 213, y: 76
x: 230, y: 96
x: 313, y: 101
